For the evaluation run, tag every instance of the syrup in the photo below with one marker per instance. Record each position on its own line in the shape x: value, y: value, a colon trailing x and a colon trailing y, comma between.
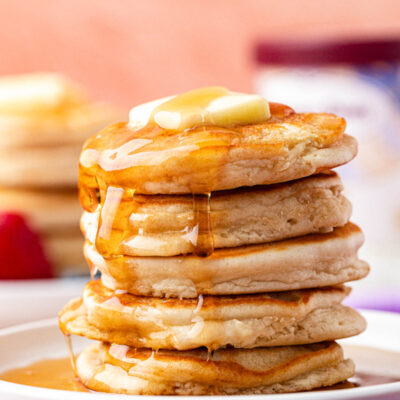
x: 124, y: 157
x: 71, y: 353
x: 120, y: 162
x: 204, y: 240
x: 118, y: 203
x: 373, y: 366
x: 88, y: 198
x: 50, y: 374
x: 108, y: 238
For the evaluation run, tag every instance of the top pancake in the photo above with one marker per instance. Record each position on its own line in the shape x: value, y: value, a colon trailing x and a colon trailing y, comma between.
x: 152, y: 160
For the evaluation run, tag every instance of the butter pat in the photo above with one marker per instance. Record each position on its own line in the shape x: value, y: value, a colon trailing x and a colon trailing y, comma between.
x: 140, y: 116
x: 237, y: 108
x: 38, y: 91
x: 202, y: 107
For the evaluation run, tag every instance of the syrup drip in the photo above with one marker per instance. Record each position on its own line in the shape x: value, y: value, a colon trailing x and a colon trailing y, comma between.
x: 210, y: 354
x: 71, y: 353
x: 116, y: 207
x: 200, y: 301
x: 204, y: 241
x: 88, y: 198
x: 120, y: 161
x: 122, y: 156
x: 92, y: 270
x: 118, y: 204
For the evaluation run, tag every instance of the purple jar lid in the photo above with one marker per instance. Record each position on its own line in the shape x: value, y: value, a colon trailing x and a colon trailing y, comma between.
x: 332, y: 52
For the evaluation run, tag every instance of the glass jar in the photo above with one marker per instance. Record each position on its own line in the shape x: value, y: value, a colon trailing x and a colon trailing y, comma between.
x: 361, y: 82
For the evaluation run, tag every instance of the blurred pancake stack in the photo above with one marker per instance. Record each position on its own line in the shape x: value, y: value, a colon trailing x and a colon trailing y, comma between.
x: 223, y: 241
x: 44, y: 120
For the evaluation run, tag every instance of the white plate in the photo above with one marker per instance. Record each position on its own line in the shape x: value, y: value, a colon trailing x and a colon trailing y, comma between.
x: 23, y: 344
x: 31, y: 300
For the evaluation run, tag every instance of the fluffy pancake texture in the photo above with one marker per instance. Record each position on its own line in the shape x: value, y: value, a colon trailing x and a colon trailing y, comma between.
x: 310, y: 261
x: 246, y: 321
x: 120, y: 369
x: 164, y: 225
x: 156, y: 161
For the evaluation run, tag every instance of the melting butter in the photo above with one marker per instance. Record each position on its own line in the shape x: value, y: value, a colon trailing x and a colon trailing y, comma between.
x: 201, y: 107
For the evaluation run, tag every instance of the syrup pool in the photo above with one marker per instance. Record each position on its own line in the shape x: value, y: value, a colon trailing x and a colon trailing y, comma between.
x: 50, y: 374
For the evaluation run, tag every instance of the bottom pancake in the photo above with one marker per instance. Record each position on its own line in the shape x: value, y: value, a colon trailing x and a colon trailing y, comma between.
x: 125, y: 370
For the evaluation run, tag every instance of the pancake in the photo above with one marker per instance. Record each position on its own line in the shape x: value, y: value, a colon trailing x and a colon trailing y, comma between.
x: 44, y: 120
x: 310, y: 261
x: 64, y: 250
x: 165, y: 225
x: 246, y: 321
x: 153, y: 160
x: 47, y: 211
x: 54, y: 215
x: 124, y: 370
x: 40, y: 167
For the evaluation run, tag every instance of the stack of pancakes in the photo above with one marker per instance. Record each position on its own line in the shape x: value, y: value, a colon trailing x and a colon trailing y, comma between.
x: 235, y: 289
x: 44, y: 120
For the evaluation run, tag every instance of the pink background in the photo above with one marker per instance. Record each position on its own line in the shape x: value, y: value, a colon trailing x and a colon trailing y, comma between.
x: 130, y: 51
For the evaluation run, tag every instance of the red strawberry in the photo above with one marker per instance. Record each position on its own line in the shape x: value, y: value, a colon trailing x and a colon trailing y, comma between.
x: 21, y: 253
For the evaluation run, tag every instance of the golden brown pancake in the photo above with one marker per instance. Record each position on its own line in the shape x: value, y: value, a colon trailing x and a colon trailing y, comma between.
x: 166, y: 225
x: 153, y: 160
x: 120, y: 369
x: 305, y: 262
x: 245, y: 321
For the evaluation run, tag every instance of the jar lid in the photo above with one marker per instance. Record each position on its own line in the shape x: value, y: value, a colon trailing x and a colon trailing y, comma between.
x: 332, y: 52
